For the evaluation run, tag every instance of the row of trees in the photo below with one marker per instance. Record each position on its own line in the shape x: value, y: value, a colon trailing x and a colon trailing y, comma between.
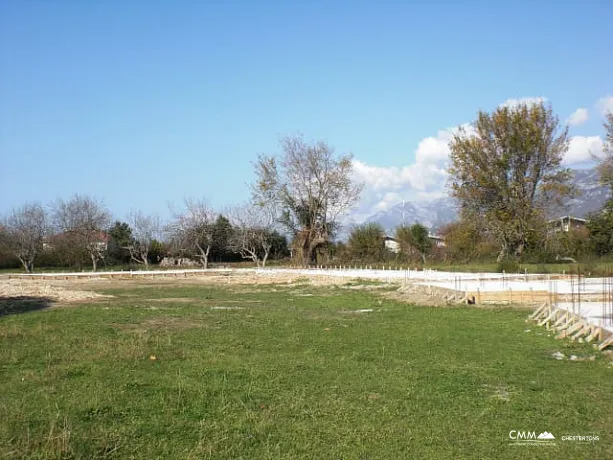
x: 301, y: 193
x: 366, y: 243
x: 464, y: 243
x: 506, y: 173
x: 69, y: 233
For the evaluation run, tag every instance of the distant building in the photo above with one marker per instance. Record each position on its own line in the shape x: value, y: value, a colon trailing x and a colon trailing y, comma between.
x: 567, y: 223
x: 437, y: 240
x: 392, y: 244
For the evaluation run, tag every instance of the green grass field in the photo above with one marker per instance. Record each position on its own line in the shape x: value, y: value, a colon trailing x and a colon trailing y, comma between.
x: 289, y: 372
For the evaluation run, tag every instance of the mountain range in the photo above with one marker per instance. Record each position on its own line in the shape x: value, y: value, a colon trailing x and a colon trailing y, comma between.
x: 437, y: 212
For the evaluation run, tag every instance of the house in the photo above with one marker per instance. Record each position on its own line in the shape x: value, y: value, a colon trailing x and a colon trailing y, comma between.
x: 391, y: 244
x: 437, y: 240
x: 100, y: 240
x: 567, y: 223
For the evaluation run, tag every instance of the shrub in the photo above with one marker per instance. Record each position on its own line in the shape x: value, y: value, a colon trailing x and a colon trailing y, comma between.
x: 508, y: 266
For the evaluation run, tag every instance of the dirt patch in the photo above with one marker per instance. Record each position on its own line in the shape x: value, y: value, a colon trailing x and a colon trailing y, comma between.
x: 34, y: 288
x: 418, y: 298
x: 422, y: 298
x: 248, y: 279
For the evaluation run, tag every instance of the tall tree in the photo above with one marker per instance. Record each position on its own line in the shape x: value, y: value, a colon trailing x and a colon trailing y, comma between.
x: 509, y: 170
x: 311, y: 188
x: 82, y: 220
x: 24, y: 230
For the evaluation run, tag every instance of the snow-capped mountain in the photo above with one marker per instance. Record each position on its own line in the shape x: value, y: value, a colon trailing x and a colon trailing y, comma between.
x: 437, y: 212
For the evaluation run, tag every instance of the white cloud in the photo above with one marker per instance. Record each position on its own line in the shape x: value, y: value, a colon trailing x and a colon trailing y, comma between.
x: 583, y: 148
x: 605, y: 104
x: 523, y: 100
x: 426, y: 196
x: 425, y: 178
x: 578, y: 117
x: 387, y: 201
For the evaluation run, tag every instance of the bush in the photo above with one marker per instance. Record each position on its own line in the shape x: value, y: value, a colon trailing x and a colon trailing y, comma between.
x: 542, y: 268
x: 508, y: 266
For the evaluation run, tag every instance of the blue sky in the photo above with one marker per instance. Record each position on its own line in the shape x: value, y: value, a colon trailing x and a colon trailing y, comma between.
x: 145, y: 103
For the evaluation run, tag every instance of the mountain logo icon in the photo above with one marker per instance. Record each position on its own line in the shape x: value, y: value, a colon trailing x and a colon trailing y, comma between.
x: 546, y: 435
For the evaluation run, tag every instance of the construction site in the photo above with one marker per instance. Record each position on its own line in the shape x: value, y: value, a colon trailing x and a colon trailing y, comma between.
x: 573, y: 305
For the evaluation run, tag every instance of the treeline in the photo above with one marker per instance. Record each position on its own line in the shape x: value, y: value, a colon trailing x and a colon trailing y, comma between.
x: 463, y: 242
x: 506, y: 171
x: 368, y: 243
x: 81, y: 233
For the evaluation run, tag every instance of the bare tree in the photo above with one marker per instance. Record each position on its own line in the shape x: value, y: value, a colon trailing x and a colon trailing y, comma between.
x: 310, y: 186
x: 252, y: 237
x: 145, y: 230
x: 192, y: 230
x: 24, y: 231
x: 82, y: 220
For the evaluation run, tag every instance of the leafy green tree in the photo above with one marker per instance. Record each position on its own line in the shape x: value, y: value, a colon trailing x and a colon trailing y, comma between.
x: 508, y: 170
x: 280, y: 248
x: 222, y: 232
x: 7, y: 257
x: 414, y: 240
x: 120, y: 237
x: 600, y: 225
x: 463, y: 240
x: 331, y: 251
x: 366, y: 242
x: 605, y: 167
x: 157, y: 251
